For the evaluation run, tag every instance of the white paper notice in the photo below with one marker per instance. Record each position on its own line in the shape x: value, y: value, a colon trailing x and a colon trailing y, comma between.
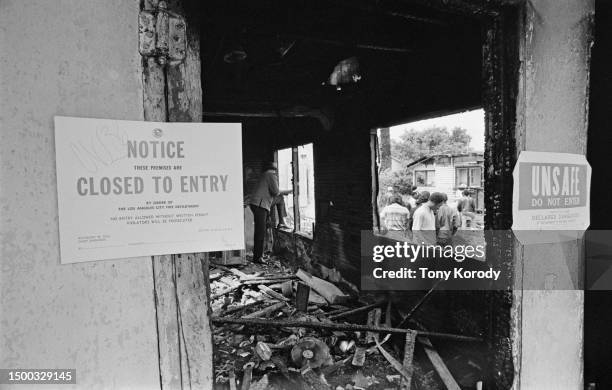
x: 128, y: 188
x: 550, y: 195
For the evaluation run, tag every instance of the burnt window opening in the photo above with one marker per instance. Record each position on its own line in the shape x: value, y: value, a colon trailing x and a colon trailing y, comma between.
x: 296, y: 183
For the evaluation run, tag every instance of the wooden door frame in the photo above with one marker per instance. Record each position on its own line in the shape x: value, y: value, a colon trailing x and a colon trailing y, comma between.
x: 182, y: 289
x: 181, y: 281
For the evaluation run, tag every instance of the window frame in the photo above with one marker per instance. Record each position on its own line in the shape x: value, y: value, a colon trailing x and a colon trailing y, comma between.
x: 295, y: 186
x: 427, y: 172
x: 469, y: 169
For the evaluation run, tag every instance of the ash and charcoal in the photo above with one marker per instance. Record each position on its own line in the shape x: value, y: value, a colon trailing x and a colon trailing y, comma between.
x: 255, y: 348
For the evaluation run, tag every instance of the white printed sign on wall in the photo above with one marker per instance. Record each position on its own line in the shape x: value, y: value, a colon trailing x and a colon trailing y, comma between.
x: 551, y: 194
x: 131, y: 188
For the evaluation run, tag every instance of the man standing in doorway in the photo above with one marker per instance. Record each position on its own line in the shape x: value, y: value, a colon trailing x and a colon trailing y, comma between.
x: 260, y: 201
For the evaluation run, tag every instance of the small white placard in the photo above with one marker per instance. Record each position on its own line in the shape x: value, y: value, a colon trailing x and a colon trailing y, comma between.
x: 550, y: 200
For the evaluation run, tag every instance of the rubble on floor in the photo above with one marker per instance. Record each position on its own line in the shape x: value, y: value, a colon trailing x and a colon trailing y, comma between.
x: 278, y: 329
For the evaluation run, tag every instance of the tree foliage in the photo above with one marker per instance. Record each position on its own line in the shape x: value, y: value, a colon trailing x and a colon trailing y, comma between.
x: 400, y: 180
x: 415, y: 144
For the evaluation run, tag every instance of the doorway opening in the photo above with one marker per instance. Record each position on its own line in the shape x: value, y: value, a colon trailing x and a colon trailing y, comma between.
x: 444, y: 154
x: 308, y: 82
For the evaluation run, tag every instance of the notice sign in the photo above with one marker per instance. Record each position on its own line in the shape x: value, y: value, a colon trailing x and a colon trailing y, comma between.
x: 128, y: 188
x: 551, y: 192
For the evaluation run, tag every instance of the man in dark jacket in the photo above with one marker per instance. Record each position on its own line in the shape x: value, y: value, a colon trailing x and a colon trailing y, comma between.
x: 261, y: 200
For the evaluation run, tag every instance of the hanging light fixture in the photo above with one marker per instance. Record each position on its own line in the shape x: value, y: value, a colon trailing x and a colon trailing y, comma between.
x: 345, y: 72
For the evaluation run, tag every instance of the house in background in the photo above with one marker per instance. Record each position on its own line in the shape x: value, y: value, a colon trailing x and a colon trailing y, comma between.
x: 450, y: 173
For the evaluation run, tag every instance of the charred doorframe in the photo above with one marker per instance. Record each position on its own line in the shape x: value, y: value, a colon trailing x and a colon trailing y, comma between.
x: 501, y: 63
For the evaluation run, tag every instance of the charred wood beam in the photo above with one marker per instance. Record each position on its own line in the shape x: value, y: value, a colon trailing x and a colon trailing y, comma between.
x: 347, y: 43
x: 355, y: 311
x: 226, y: 291
x: 386, y: 12
x: 340, y: 327
x: 326, y: 118
x: 419, y: 304
x: 474, y: 8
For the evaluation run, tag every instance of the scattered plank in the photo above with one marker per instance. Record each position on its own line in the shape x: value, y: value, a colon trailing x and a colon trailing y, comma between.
x: 316, y: 299
x: 241, y: 307
x: 261, y: 281
x: 234, y: 271
x: 269, y: 277
x: 355, y: 311
x: 301, y: 297
x: 267, y: 290
x: 326, y: 289
x: 439, y: 365
x: 359, y: 357
x: 226, y: 291
x: 340, y: 327
x: 247, y: 376
x: 266, y: 310
x: 419, y: 304
x: 406, y: 383
x: 232, y: 380
x: 394, y: 363
x: 337, y: 310
x: 388, y: 314
x: 373, y: 320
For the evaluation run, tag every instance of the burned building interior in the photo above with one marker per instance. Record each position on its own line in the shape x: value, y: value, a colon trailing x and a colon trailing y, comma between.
x: 328, y: 74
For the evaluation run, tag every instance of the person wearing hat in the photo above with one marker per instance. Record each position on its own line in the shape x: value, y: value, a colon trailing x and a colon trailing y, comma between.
x: 424, y: 220
x: 261, y: 201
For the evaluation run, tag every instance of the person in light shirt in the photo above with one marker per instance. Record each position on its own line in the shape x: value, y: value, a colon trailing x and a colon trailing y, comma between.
x: 424, y: 220
x: 395, y: 216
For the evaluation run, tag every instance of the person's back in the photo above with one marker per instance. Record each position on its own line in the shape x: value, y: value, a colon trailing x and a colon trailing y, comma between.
x: 424, y: 225
x: 467, y: 207
x: 395, y: 216
x: 261, y: 201
x: 445, y: 223
x: 423, y: 218
x: 265, y: 191
x: 466, y: 204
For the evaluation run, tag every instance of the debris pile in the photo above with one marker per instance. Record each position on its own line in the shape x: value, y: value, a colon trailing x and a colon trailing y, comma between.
x: 275, y: 329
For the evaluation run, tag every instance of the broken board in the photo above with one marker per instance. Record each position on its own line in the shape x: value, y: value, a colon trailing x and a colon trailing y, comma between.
x: 327, y: 290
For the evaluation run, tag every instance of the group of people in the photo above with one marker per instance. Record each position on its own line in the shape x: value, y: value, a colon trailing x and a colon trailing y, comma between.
x: 426, y: 216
